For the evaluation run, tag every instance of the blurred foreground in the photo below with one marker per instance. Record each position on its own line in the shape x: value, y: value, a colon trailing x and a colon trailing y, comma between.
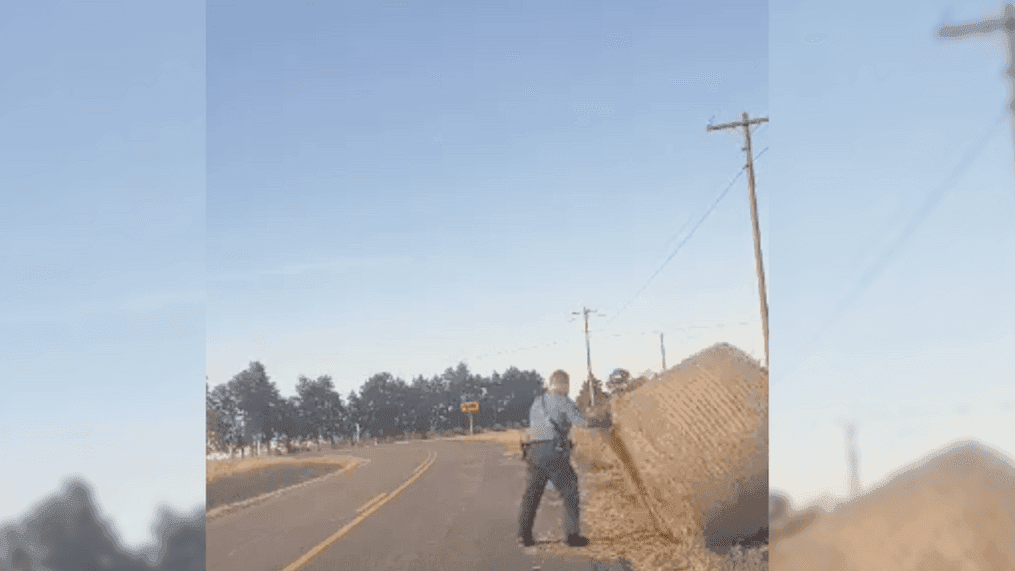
x: 954, y: 510
x: 65, y: 533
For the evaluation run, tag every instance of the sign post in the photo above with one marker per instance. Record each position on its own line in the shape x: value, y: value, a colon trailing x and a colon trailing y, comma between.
x: 470, y: 408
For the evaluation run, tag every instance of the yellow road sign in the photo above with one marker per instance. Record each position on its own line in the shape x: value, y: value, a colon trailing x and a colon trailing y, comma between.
x: 468, y: 407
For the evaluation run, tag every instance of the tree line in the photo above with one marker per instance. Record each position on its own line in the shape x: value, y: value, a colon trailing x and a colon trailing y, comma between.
x: 249, y: 410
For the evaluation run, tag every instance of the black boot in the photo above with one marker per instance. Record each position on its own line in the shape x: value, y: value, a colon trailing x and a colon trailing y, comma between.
x: 575, y: 540
x: 526, y: 540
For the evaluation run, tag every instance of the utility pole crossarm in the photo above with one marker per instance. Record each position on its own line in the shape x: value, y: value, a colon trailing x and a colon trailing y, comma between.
x: 1006, y: 22
x: 962, y: 30
x: 743, y: 123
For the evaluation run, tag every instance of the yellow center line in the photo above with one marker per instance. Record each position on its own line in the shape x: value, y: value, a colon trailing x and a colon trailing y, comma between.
x: 424, y: 465
x: 365, y: 506
x: 368, y: 509
x: 230, y: 508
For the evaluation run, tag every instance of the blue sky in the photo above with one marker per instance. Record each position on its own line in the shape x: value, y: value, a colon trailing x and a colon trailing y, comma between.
x: 875, y: 115
x: 103, y: 226
x: 398, y: 188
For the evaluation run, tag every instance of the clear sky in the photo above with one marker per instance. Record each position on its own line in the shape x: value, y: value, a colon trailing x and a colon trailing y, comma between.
x: 400, y: 187
x: 915, y: 329
x: 102, y: 218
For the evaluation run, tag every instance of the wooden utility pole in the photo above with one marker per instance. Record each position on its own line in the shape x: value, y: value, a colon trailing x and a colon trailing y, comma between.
x: 588, y: 351
x: 1007, y: 23
x: 852, y: 462
x: 746, y: 123
x: 662, y: 348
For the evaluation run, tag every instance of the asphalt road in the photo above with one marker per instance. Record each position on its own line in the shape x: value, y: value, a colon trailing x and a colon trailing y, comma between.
x: 236, y: 488
x: 462, y: 514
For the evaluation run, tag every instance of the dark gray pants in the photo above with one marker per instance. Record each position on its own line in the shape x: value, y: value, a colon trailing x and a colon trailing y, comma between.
x: 548, y: 463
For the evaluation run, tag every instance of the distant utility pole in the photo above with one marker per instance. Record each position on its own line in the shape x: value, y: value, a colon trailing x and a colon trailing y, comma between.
x: 662, y: 348
x: 853, y: 462
x: 588, y: 351
x: 746, y: 124
x: 1006, y: 23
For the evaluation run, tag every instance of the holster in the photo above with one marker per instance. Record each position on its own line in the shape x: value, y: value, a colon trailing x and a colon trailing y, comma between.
x: 565, y: 446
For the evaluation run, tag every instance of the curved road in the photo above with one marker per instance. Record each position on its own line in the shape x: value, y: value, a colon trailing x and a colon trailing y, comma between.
x: 461, y: 514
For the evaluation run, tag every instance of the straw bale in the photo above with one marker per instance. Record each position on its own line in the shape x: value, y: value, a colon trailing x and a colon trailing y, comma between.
x: 697, y: 441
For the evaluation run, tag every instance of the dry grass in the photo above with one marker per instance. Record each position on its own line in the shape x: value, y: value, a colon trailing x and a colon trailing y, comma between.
x: 216, y: 469
x: 740, y: 559
x: 620, y: 524
x: 511, y: 439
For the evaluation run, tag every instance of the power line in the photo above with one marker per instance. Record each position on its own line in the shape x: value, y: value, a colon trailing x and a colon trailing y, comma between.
x: 684, y: 241
x: 661, y: 267
x: 683, y: 331
x: 919, y: 216
x: 686, y: 238
x: 691, y: 218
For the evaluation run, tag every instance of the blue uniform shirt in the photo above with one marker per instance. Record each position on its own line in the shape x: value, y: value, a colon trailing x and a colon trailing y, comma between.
x: 548, y: 406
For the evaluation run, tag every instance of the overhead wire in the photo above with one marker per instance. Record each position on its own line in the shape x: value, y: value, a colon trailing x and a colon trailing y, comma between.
x: 919, y: 215
x: 683, y: 329
x: 701, y: 220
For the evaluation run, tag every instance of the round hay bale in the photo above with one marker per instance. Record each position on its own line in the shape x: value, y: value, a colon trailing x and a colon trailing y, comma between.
x: 697, y: 440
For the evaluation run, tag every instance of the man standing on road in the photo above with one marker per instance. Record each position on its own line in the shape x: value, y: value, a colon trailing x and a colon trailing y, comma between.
x: 548, y: 454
